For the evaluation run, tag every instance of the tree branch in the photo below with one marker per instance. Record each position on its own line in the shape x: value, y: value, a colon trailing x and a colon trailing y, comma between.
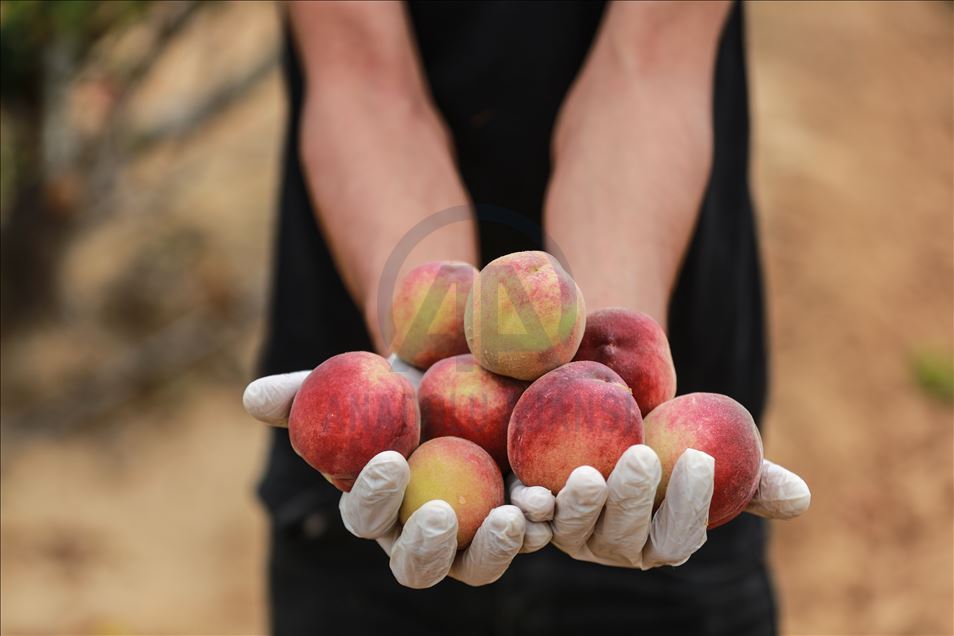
x: 189, y: 122
x: 165, y: 34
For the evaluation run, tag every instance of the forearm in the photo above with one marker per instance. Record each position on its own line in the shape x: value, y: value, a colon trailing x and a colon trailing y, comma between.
x: 632, y: 152
x: 376, y: 156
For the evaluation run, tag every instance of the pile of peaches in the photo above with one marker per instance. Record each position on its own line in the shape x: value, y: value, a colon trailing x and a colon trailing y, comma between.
x: 517, y: 377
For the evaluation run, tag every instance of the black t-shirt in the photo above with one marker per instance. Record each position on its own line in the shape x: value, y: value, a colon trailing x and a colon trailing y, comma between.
x: 498, y: 72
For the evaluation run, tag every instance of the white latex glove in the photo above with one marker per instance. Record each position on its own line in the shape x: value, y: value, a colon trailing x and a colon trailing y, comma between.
x: 612, y: 522
x: 424, y: 551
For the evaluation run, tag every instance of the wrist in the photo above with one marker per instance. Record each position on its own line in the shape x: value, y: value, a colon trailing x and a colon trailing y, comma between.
x: 614, y: 265
x: 642, y: 300
x: 374, y: 320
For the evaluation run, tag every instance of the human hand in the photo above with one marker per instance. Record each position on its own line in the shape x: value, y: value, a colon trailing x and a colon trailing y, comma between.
x: 424, y: 550
x: 612, y: 522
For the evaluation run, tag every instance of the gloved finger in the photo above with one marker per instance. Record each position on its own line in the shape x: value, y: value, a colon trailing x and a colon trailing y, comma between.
x: 497, y: 542
x: 536, y: 537
x: 423, y: 553
x: 578, y: 506
x: 679, y: 526
x: 269, y: 399
x: 371, y: 508
x: 411, y: 373
x: 536, y: 502
x: 781, y: 493
x: 623, y: 528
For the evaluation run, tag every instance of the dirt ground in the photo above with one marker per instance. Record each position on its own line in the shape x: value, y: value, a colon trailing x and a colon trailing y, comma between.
x: 144, y: 521
x: 854, y: 179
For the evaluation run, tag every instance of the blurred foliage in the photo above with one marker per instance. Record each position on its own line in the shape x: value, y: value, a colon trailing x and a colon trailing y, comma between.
x: 157, y: 285
x: 72, y: 73
x: 27, y: 27
x: 108, y: 286
x: 934, y: 372
x: 55, y: 170
x: 8, y: 161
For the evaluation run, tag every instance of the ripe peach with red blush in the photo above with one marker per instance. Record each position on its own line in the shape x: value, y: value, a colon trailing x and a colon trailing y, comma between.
x: 460, y: 398
x: 349, y: 409
x: 580, y: 414
x: 428, y: 312
x: 525, y: 315
x: 635, y: 346
x: 718, y: 426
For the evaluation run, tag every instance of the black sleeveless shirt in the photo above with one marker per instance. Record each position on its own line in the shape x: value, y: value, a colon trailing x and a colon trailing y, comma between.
x: 498, y: 72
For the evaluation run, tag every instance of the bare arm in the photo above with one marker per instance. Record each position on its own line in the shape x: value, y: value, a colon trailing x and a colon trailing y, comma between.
x: 376, y: 155
x: 632, y: 151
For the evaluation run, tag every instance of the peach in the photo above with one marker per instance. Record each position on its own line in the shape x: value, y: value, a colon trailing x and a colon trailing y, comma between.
x: 716, y: 425
x: 349, y: 409
x: 460, y: 398
x: 459, y: 472
x: 524, y: 316
x: 581, y: 414
x: 633, y: 345
x: 428, y: 312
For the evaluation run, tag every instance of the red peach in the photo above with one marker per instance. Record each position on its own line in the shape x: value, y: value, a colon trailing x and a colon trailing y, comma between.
x: 525, y: 315
x: 428, y: 312
x: 349, y: 409
x: 460, y: 398
x: 581, y: 414
x: 633, y: 345
x: 718, y: 426
x: 459, y: 472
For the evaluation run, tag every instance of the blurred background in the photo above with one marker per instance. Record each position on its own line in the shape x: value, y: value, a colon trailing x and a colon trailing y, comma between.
x: 139, y: 163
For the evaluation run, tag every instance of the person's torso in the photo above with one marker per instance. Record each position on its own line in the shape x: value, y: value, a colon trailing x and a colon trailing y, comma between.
x: 498, y: 72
